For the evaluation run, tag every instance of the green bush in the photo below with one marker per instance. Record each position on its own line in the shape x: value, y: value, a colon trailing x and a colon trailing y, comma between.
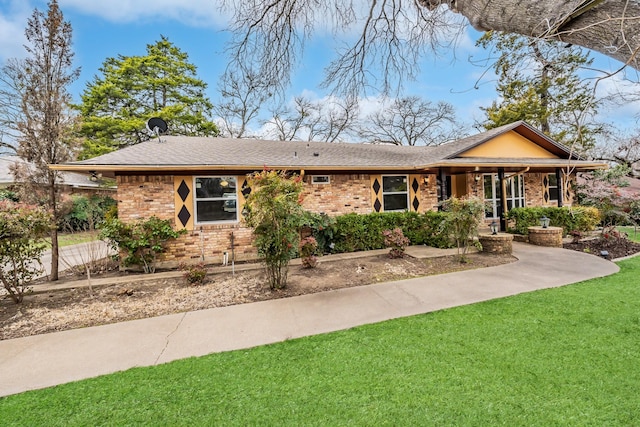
x: 86, y: 213
x: 579, y: 218
x: 321, y: 226
x: 362, y: 232
x: 140, y: 242
x: 22, y: 231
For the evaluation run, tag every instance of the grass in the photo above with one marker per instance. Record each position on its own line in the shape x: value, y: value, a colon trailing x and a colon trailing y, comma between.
x: 633, y: 232
x: 68, y: 239
x: 558, y: 357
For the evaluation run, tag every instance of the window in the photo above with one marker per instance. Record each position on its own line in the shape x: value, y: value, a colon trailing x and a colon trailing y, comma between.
x: 216, y: 199
x: 395, y: 194
x: 492, y: 196
x: 514, y: 188
x: 553, y: 187
x: 320, y: 179
x: 515, y: 192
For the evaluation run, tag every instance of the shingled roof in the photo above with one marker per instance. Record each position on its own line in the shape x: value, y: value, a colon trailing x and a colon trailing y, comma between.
x: 174, y: 153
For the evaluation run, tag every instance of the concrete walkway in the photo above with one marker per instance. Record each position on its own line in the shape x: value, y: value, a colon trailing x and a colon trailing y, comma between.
x: 50, y: 359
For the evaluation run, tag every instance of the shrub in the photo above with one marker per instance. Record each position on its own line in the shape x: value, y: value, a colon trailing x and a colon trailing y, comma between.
x: 322, y: 229
x: 86, y: 213
x: 395, y: 240
x: 22, y: 231
x: 579, y: 218
x: 273, y: 210
x: 308, y: 247
x: 465, y: 216
x: 194, y: 274
x: 354, y: 232
x: 141, y: 241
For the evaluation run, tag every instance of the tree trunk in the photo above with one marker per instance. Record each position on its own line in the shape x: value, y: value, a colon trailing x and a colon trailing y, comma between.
x: 610, y: 27
x: 53, y: 276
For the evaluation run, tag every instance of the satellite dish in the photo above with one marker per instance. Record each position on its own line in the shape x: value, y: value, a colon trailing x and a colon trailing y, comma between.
x: 157, y: 126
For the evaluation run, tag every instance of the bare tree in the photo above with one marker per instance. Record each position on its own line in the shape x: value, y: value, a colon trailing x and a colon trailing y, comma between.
x: 412, y: 121
x: 287, y: 122
x: 44, y: 122
x: 10, y: 95
x: 326, y: 120
x: 610, y: 27
x: 623, y: 150
x: 393, y: 35
x: 243, y: 94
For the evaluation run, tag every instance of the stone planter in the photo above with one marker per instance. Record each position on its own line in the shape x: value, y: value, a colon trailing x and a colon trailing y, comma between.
x: 550, y: 236
x: 500, y: 243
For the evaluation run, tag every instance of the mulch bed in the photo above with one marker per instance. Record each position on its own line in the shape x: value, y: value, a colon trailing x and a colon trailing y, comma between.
x: 614, y: 247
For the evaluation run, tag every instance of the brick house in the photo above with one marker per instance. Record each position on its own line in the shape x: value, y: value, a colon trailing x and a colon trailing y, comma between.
x: 200, y: 183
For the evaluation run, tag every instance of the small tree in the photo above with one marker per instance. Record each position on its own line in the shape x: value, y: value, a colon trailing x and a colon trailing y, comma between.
x: 274, y: 212
x: 307, y: 248
x: 141, y: 241
x: 22, y: 232
x: 463, y: 219
x: 396, y: 241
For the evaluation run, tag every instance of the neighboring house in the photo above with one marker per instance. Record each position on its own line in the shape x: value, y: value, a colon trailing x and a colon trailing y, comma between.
x: 71, y: 182
x: 200, y: 183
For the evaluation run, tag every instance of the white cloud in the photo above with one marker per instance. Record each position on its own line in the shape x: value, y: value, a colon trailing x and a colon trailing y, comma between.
x: 13, y: 21
x: 203, y: 13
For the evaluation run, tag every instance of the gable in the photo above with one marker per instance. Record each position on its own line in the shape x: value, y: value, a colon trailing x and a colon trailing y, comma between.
x: 509, y: 145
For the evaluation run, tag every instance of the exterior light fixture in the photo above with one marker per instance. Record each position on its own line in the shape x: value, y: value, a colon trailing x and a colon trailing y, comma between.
x: 604, y: 254
x: 494, y: 227
x: 224, y: 183
x: 544, y: 221
x: 477, y: 177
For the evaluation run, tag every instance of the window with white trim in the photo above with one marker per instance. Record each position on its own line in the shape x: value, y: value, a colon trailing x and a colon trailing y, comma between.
x: 395, y: 193
x: 514, y: 187
x: 552, y: 186
x: 216, y: 199
x: 320, y: 179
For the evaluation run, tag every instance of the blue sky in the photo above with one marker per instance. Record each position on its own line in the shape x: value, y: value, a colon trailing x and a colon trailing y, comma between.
x: 103, y: 29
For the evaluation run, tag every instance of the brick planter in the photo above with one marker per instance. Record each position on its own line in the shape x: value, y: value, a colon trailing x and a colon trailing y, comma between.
x: 496, y: 243
x: 550, y: 236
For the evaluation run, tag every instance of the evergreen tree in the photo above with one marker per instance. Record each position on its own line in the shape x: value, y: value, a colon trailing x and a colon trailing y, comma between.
x: 539, y: 82
x: 132, y: 89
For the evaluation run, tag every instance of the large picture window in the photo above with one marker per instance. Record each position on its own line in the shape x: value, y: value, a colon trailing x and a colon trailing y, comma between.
x: 395, y: 193
x: 216, y: 199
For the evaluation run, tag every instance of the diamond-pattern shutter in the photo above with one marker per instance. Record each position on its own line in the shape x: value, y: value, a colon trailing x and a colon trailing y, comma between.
x: 545, y: 189
x: 414, y: 193
x: 376, y: 193
x: 568, y: 183
x: 243, y: 193
x: 183, y: 202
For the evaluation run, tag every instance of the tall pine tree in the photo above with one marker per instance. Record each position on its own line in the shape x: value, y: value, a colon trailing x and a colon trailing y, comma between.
x: 132, y: 89
x: 539, y: 82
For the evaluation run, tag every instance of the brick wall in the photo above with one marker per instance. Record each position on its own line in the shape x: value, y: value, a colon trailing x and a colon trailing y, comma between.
x: 533, y: 191
x: 344, y: 194
x: 145, y: 196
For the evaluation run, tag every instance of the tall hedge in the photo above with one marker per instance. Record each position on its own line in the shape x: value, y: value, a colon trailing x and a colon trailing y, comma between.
x: 580, y: 218
x: 361, y: 232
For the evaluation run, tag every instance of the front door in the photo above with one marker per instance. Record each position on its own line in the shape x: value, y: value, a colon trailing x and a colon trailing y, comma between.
x: 514, y: 197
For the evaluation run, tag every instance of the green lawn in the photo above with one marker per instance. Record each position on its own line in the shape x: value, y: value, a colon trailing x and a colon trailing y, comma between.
x: 68, y: 239
x: 559, y: 357
x: 633, y: 232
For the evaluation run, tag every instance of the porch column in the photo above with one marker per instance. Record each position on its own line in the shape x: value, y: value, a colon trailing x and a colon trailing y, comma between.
x: 442, y: 196
x: 503, y: 200
x: 560, y: 181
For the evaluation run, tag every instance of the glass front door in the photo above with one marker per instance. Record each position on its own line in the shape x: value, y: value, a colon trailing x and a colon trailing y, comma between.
x: 514, y: 189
